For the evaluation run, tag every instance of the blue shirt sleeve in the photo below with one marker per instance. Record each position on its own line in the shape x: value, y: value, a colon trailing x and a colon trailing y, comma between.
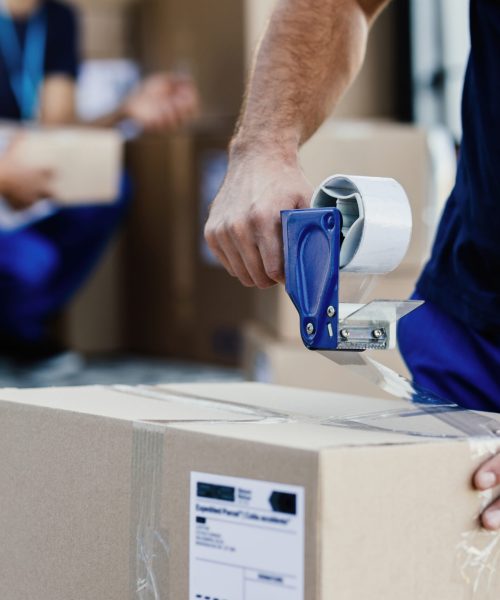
x: 62, y: 56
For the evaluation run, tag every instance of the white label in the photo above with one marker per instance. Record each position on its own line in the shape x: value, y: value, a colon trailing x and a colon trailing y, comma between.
x: 246, y: 539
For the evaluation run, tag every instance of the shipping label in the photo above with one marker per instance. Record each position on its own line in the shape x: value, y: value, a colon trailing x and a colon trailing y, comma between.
x: 246, y: 539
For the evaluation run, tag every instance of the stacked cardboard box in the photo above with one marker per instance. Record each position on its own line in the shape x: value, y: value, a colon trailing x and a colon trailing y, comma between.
x: 424, y: 163
x: 179, y: 303
x: 238, y: 491
x: 105, y: 27
x: 202, y: 38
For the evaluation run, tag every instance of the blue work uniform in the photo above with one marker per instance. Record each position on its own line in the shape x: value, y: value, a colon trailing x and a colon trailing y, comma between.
x: 452, y: 344
x: 44, y: 264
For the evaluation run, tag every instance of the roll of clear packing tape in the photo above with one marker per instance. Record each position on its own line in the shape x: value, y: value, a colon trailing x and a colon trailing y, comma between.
x: 377, y: 221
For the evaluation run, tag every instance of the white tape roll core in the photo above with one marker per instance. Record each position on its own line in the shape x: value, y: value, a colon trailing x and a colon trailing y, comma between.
x: 377, y: 221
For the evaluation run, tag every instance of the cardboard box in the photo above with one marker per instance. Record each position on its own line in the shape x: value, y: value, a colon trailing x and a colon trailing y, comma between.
x: 93, y: 323
x: 267, y: 359
x: 105, y: 27
x: 105, y: 32
x: 178, y: 303
x: 248, y: 491
x: 204, y: 39
x: 87, y: 163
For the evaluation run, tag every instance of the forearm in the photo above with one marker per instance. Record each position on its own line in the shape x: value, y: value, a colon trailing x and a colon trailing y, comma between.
x: 310, y: 54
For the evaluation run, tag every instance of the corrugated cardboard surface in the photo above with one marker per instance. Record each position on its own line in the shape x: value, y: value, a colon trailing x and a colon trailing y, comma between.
x: 65, y: 505
x: 411, y: 536
x: 387, y: 513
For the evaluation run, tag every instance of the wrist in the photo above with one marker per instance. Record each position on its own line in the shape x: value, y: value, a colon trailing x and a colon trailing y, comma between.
x: 265, y: 147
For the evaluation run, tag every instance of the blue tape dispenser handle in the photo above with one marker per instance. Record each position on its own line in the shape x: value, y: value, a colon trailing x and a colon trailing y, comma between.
x: 312, y: 240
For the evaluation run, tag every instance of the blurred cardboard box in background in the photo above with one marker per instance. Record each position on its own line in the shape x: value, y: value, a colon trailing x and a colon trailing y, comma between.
x: 178, y: 304
x: 204, y: 39
x: 86, y: 163
x: 105, y: 27
x: 422, y: 160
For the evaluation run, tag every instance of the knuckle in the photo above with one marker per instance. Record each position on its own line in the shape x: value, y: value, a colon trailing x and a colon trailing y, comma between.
x: 259, y: 217
x: 210, y: 237
x: 238, y: 229
x: 220, y: 233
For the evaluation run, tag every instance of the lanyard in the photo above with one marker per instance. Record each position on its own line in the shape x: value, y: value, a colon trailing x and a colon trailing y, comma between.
x: 25, y: 68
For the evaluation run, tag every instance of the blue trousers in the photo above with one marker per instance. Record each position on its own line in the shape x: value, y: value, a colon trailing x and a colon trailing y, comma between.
x: 42, y: 266
x: 452, y: 360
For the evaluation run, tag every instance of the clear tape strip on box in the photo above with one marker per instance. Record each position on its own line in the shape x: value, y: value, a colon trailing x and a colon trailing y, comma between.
x: 243, y: 413
x: 149, y: 547
x: 149, y: 550
x: 454, y: 421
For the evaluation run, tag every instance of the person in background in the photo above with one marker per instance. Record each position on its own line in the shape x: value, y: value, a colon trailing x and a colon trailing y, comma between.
x: 311, y: 53
x: 44, y: 264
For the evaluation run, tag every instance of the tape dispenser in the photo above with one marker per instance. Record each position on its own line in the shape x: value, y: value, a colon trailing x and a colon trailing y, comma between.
x: 358, y: 225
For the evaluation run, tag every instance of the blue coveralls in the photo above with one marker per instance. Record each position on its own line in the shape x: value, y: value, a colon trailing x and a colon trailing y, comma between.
x: 452, y: 345
x: 44, y: 264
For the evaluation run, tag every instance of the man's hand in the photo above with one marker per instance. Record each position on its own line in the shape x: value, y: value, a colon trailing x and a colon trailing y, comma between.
x: 163, y: 102
x: 488, y: 478
x: 310, y: 54
x: 244, y: 227
x: 22, y: 185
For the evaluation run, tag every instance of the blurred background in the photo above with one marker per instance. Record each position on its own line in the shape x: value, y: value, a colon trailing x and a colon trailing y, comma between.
x: 158, y: 307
